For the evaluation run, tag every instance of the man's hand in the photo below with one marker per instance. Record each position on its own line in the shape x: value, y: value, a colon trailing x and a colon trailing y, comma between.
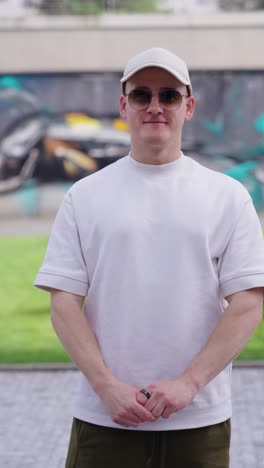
x: 120, y: 400
x: 167, y: 397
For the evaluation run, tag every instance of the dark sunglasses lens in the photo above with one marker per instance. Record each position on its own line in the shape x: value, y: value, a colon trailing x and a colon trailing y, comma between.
x: 170, y: 98
x: 139, y: 98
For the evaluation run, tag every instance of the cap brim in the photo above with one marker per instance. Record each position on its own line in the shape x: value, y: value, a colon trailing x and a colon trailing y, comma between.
x: 172, y: 72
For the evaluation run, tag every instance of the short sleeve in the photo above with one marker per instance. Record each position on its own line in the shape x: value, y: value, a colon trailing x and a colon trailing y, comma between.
x: 64, y: 266
x: 241, y: 266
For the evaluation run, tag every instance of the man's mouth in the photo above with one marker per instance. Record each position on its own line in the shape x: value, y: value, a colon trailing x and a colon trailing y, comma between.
x: 155, y: 122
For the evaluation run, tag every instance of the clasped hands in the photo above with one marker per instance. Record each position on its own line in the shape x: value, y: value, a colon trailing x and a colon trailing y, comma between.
x: 127, y: 406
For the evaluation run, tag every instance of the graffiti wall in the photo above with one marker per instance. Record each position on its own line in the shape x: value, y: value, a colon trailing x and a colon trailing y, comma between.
x: 61, y: 127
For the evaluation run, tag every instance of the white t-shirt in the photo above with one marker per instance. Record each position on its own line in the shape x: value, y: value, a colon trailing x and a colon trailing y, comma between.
x: 156, y: 248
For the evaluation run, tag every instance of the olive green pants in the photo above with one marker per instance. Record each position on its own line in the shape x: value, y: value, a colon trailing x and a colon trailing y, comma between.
x: 93, y: 446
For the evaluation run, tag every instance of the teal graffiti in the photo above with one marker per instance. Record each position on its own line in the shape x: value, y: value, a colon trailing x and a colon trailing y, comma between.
x: 10, y: 82
x: 259, y: 124
x: 214, y: 127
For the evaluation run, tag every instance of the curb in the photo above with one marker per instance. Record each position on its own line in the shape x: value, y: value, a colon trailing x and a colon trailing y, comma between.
x: 249, y: 364
x: 50, y: 366
x: 58, y: 366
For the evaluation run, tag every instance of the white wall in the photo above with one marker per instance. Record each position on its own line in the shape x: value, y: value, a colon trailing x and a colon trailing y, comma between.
x: 104, y: 43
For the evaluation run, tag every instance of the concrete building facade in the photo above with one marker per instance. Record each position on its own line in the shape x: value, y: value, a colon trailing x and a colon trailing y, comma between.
x: 66, y: 44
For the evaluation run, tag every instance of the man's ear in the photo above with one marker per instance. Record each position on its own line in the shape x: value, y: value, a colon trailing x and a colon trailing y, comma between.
x: 190, y: 105
x: 122, y: 107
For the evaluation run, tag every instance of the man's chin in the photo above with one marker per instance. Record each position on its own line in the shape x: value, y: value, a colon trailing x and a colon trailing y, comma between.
x: 155, y: 139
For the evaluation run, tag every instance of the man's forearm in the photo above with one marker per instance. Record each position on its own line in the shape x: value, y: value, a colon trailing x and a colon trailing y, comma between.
x: 80, y: 343
x: 235, y: 327
x: 74, y: 332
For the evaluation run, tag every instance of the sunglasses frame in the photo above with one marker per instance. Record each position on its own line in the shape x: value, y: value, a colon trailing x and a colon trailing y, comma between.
x: 150, y: 94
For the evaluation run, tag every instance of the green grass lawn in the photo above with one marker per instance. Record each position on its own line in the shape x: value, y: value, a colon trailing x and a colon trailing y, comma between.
x: 26, y: 334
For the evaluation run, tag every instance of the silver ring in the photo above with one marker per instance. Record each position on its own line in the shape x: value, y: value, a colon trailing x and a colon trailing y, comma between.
x: 146, y: 393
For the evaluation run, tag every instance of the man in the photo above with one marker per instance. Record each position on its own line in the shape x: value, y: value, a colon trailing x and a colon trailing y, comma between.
x: 169, y: 257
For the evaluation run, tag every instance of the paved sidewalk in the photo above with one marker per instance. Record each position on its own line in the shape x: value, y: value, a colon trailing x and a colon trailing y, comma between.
x: 35, y: 418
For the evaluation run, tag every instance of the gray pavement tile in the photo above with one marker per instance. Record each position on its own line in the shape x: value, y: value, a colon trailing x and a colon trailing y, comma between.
x: 35, y: 416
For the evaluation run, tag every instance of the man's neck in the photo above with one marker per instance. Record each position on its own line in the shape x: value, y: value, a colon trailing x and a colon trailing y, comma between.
x: 154, y: 155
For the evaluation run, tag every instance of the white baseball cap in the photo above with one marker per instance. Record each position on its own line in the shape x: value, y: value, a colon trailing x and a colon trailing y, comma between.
x: 161, y: 58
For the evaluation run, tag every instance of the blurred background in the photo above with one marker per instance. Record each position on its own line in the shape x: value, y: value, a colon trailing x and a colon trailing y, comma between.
x: 61, y: 61
x: 60, y: 66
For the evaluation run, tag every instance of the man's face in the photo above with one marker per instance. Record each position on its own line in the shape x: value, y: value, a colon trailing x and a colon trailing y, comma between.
x: 155, y: 125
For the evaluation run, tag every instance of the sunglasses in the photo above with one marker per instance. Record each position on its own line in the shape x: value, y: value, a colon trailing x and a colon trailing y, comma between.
x: 169, y: 98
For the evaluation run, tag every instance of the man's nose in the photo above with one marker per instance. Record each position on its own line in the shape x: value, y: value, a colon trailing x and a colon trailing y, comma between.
x: 154, y: 105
